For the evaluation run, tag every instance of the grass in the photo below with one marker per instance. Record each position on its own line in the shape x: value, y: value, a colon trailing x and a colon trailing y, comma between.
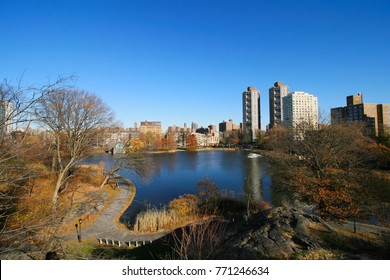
x: 321, y: 254
x: 344, y: 244
x: 91, y: 250
x: 79, y: 251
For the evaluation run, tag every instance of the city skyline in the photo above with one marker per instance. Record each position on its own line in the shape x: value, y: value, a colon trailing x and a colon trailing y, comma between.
x: 183, y: 61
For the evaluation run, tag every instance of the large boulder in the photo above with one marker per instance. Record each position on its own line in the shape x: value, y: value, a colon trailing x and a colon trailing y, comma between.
x: 277, y: 233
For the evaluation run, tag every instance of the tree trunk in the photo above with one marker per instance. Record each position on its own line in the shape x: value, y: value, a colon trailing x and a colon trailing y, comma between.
x: 53, y: 163
x: 105, y: 181
x: 62, y: 176
x: 57, y: 188
x: 112, y: 171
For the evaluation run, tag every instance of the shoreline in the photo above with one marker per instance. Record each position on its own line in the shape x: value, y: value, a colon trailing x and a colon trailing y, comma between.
x: 179, y: 151
x: 126, y: 205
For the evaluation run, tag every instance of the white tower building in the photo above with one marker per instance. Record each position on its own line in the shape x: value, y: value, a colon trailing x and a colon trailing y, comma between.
x: 300, y: 110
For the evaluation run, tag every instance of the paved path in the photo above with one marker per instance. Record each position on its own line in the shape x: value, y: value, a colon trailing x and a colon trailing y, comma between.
x: 362, y: 227
x: 105, y: 226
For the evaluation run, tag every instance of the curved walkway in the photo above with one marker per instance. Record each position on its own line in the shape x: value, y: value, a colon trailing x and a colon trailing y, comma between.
x: 105, y: 226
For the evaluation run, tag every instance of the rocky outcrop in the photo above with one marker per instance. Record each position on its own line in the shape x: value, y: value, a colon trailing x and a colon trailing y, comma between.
x: 277, y: 233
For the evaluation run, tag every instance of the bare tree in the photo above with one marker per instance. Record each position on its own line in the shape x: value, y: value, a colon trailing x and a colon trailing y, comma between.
x: 139, y: 165
x: 333, y: 146
x: 20, y: 159
x: 73, y: 117
x: 200, y: 241
x: 17, y: 102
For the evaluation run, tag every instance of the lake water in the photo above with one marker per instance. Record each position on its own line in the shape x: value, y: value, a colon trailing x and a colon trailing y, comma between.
x: 175, y: 174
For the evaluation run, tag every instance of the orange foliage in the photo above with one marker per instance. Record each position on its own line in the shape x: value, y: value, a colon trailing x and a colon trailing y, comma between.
x: 335, y: 199
x: 191, y: 143
x: 185, y: 205
x: 35, y: 206
x: 164, y: 143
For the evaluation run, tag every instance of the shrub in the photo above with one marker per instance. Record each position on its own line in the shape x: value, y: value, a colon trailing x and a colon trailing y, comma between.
x: 185, y: 205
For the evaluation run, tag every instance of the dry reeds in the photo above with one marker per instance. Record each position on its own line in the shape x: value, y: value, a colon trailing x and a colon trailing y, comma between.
x: 155, y: 219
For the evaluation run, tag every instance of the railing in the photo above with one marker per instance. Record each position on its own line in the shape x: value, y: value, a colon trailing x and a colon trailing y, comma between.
x: 110, y: 242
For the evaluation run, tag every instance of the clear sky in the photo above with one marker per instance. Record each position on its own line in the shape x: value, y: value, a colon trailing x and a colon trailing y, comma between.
x: 182, y: 61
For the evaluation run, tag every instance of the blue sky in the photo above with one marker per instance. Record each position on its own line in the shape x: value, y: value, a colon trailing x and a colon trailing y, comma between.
x: 183, y: 61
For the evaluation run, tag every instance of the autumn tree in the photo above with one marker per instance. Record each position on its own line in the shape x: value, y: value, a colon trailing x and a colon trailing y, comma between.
x: 135, y: 145
x: 164, y: 144
x: 209, y: 196
x: 73, y: 117
x: 156, y: 142
x: 278, y: 139
x: 322, y: 167
x: 235, y: 138
x: 333, y: 146
x: 230, y: 138
x: 168, y: 142
x: 171, y: 142
x: 259, y: 141
x: 191, y: 143
x: 384, y: 139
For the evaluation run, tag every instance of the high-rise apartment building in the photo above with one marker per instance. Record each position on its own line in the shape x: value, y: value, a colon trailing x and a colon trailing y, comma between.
x: 251, y: 112
x: 375, y: 116
x: 276, y: 94
x: 6, y: 109
x: 300, y: 110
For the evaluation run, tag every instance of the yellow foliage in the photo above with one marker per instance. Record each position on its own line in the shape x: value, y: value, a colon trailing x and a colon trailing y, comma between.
x: 135, y: 145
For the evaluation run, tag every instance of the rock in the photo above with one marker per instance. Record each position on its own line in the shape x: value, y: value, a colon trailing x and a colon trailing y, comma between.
x: 52, y: 255
x: 277, y: 233
x: 19, y: 251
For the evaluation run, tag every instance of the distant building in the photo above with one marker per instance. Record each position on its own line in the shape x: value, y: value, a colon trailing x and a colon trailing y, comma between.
x: 201, y: 139
x: 134, y: 131
x: 213, y: 136
x: 228, y: 126
x: 300, y: 110
x: 119, y: 148
x: 212, y: 127
x: 194, y: 126
x: 276, y: 94
x: 375, y: 116
x: 251, y: 112
x: 6, y: 125
x: 147, y: 126
x: 203, y: 130
x: 111, y: 137
x: 207, y: 136
x: 178, y: 129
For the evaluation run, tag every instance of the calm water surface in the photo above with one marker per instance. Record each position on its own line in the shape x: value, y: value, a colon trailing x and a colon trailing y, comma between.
x: 178, y: 173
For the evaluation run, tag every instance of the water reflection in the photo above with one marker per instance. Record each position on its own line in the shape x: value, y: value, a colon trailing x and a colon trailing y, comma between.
x: 252, y: 180
x: 177, y: 174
